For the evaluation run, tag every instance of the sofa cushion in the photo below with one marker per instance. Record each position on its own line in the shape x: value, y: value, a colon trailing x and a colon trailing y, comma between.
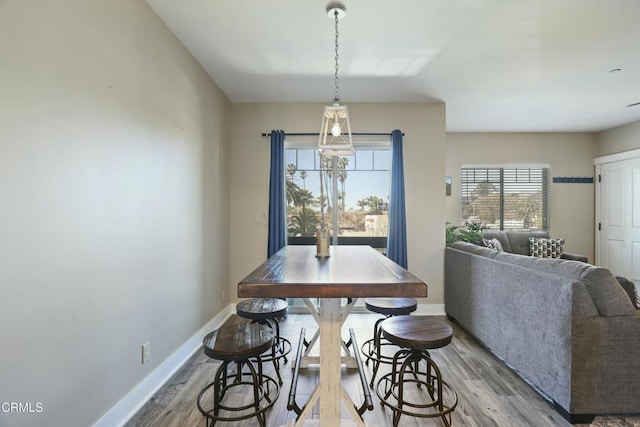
x: 630, y: 288
x: 607, y: 293
x: 545, y: 248
x: 493, y: 244
x: 570, y: 269
x: 474, y: 249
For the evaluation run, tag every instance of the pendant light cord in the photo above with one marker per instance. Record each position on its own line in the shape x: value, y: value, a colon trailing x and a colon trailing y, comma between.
x: 336, y: 97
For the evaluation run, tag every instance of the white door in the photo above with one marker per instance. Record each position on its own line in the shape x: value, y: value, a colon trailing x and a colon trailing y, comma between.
x: 619, y: 218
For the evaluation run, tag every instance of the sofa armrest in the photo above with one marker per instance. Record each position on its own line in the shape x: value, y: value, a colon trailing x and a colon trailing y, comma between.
x: 575, y: 257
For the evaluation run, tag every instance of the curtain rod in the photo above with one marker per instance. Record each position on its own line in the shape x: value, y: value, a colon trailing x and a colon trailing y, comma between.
x: 317, y: 134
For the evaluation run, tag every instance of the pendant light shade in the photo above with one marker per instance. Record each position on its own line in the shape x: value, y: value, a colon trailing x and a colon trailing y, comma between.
x: 335, y: 131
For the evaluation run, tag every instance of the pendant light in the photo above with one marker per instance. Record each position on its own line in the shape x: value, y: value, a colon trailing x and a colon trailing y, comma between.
x: 335, y: 131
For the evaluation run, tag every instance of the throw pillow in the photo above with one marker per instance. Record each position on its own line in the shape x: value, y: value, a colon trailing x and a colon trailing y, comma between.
x: 493, y: 244
x: 545, y: 248
x: 630, y: 289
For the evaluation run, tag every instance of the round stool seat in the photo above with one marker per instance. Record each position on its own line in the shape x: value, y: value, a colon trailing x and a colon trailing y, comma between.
x: 391, y: 306
x: 238, y: 342
x: 262, y: 308
x: 417, y: 332
x: 388, y: 307
x: 266, y: 311
x: 241, y: 344
x: 416, y: 335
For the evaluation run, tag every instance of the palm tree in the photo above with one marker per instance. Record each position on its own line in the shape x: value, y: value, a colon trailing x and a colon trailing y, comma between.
x: 305, y: 197
x: 292, y: 191
x: 373, y: 203
x: 322, y: 197
x: 528, y: 210
x: 304, y: 223
x: 484, y: 189
x: 291, y: 171
x: 322, y: 202
x: 303, y: 175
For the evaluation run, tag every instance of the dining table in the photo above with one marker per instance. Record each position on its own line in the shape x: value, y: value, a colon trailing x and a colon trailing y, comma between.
x: 337, y: 281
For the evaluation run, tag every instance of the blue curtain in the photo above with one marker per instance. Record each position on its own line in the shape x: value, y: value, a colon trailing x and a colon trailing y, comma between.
x: 277, y: 205
x: 397, y: 239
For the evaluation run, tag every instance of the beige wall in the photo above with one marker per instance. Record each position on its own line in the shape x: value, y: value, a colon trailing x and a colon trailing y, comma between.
x: 618, y: 140
x: 113, y: 203
x: 424, y: 155
x: 130, y: 208
x: 568, y: 154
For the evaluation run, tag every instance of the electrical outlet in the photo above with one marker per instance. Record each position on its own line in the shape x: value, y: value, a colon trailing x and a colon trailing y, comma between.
x: 146, y: 352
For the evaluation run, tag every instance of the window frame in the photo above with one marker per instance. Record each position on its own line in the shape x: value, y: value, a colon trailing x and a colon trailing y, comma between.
x: 507, y: 187
x: 377, y: 242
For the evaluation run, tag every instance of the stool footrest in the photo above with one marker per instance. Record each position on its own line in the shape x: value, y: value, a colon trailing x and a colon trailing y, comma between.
x: 369, y: 351
x: 292, y: 405
x: 368, y: 403
x: 265, y: 394
x: 437, y: 399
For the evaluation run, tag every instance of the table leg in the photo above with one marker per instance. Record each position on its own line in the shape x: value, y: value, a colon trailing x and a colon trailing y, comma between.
x: 329, y: 392
x: 314, y: 313
x: 348, y: 358
x: 330, y: 351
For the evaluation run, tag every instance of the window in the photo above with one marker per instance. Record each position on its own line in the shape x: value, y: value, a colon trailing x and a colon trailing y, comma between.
x: 505, y: 198
x: 360, y: 195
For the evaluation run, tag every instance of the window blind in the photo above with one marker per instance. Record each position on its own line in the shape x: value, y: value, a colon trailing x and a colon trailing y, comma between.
x: 505, y: 198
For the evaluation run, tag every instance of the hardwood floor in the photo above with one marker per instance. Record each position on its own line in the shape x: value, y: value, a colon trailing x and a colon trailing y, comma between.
x: 490, y: 394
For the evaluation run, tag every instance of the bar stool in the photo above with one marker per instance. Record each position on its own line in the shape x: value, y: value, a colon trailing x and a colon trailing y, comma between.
x: 241, y: 344
x: 267, y: 311
x: 416, y: 335
x: 373, y: 348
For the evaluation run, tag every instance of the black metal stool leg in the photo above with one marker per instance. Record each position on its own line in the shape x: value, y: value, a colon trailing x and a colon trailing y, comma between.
x: 278, y: 345
x: 256, y: 380
x: 220, y: 386
x: 392, y: 390
x: 243, y: 349
x: 377, y: 338
x: 406, y: 364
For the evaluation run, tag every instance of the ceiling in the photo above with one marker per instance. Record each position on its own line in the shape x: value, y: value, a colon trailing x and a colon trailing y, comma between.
x: 499, y: 65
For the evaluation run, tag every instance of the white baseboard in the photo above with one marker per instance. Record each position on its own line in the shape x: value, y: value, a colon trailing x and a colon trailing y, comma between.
x: 131, y: 403
x: 430, y: 310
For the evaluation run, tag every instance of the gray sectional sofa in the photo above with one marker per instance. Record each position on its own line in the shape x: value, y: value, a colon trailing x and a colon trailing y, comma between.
x: 566, y: 327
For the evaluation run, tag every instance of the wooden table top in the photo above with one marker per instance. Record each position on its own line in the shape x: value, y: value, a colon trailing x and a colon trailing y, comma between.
x: 350, y: 272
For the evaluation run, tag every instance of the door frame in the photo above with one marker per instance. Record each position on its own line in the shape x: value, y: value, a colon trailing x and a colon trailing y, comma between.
x: 598, y: 162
